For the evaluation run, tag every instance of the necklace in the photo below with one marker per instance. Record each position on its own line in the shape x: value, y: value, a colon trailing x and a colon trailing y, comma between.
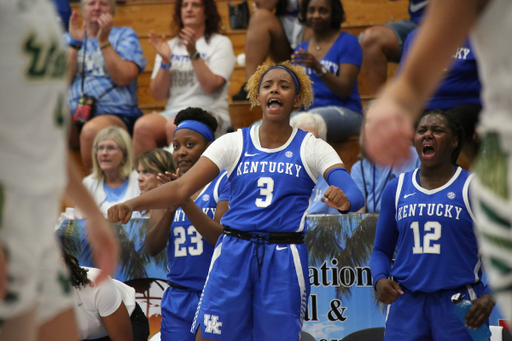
x: 318, y: 47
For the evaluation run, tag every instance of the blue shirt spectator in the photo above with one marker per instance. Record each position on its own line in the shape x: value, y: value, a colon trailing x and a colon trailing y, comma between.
x: 121, y: 100
x: 64, y: 11
x: 460, y: 85
x: 346, y: 49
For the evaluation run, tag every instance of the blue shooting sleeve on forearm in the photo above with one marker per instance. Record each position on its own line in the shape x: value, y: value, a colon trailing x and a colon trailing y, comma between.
x: 340, y: 178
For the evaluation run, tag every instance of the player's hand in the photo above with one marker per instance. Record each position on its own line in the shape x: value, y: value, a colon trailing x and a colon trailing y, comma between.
x: 480, y: 311
x: 105, y: 248
x: 105, y: 22
x: 388, y: 290
x: 120, y: 213
x: 161, y: 47
x: 336, y: 198
x: 4, y: 272
x: 388, y: 132
x: 76, y: 32
x: 188, y: 38
x: 168, y: 177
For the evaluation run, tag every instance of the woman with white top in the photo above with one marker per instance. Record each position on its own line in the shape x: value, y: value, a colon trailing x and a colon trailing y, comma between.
x: 107, y: 311
x: 113, y: 179
x: 191, y: 70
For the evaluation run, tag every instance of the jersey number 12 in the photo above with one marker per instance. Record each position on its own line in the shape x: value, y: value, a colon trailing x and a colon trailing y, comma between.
x: 434, y: 233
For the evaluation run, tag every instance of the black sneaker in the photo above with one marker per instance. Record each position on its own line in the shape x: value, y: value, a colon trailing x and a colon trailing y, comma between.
x: 241, y: 95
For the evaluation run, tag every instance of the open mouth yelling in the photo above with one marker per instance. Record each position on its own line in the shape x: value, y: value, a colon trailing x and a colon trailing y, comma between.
x: 428, y: 150
x: 274, y: 104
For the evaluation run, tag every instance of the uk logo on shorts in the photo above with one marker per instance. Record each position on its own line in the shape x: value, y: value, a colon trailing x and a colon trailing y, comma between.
x: 211, y: 324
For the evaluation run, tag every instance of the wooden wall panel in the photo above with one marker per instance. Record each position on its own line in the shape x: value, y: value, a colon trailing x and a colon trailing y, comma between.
x: 374, y: 12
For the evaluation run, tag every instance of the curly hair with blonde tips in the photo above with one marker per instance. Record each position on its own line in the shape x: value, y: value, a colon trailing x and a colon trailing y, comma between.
x: 306, y: 91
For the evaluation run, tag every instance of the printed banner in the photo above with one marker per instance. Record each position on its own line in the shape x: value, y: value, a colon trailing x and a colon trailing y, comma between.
x: 342, y: 305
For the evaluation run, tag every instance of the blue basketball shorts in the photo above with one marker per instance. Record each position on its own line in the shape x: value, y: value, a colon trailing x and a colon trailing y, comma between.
x: 254, y: 291
x: 419, y: 316
x: 178, y: 311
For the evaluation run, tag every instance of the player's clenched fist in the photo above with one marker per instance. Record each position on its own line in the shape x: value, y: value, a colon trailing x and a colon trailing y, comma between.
x: 388, y: 291
x: 120, y: 213
x: 336, y: 198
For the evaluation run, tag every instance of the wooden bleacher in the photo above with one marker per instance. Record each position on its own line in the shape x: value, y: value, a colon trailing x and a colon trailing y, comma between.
x: 146, y: 15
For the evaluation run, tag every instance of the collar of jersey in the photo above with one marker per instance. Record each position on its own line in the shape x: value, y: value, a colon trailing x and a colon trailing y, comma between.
x: 255, y: 137
x: 435, y: 190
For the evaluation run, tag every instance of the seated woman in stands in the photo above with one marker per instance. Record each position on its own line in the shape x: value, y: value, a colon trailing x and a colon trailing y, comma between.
x: 103, y: 64
x: 191, y: 70
x: 113, y: 179
x: 149, y: 165
x: 332, y: 59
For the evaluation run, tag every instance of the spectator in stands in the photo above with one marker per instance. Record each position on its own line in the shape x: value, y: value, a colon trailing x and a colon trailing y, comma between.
x: 113, y: 179
x: 384, y: 43
x: 272, y: 34
x: 64, y: 11
x: 103, y: 64
x: 107, y: 311
x: 372, y: 179
x: 460, y: 85
x: 149, y: 165
x: 332, y: 59
x: 191, y: 70
x: 315, y: 124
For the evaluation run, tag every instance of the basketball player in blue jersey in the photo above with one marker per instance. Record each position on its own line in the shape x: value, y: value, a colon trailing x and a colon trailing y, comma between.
x: 186, y: 231
x: 257, y: 287
x: 426, y: 215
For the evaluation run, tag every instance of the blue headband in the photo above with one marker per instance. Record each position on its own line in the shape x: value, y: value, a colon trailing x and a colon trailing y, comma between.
x: 197, y: 126
x: 297, y: 84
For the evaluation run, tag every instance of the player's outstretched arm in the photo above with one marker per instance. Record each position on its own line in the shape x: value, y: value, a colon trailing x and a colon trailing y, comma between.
x: 172, y: 194
x: 104, y: 244
x: 389, y: 129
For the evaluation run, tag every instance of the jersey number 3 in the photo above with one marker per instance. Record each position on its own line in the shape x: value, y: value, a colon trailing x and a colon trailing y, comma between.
x: 266, y: 186
x: 433, y: 232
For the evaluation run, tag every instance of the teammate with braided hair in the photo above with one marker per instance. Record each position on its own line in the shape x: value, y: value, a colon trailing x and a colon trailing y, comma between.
x: 107, y: 311
x: 426, y: 215
x: 257, y: 286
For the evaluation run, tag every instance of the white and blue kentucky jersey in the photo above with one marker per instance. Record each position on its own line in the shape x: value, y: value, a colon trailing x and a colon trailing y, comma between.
x: 270, y: 188
x: 437, y: 247
x: 188, y: 254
